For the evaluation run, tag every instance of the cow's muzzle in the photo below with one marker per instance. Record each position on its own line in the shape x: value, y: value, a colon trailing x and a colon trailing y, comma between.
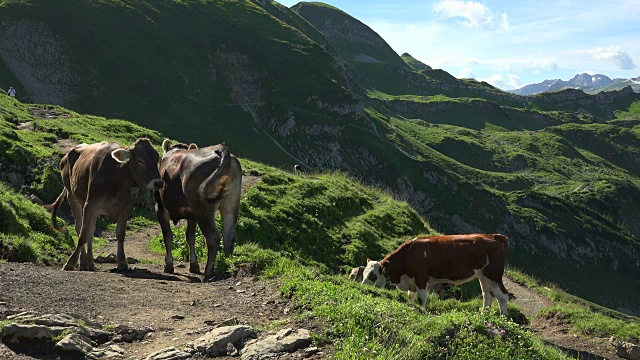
x: 156, y: 184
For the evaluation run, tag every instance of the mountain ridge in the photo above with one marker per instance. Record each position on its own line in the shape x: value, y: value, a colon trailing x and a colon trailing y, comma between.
x: 589, y: 83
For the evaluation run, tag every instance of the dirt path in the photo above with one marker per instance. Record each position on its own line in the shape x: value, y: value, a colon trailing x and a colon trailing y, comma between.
x: 178, y: 306
x: 554, y: 332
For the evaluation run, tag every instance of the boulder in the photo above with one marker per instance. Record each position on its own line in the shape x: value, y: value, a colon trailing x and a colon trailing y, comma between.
x: 74, y: 343
x: 285, y: 340
x: 26, y: 333
x: 215, y: 342
x: 627, y: 350
x: 169, y: 353
x: 104, y: 354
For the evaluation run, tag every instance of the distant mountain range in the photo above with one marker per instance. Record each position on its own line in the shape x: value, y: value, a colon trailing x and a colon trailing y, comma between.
x: 590, y: 84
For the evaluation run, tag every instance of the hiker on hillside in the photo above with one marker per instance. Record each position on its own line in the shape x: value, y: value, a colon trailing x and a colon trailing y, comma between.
x: 11, y: 91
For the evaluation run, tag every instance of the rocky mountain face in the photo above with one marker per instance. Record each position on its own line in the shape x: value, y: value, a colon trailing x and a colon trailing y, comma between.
x: 314, y: 86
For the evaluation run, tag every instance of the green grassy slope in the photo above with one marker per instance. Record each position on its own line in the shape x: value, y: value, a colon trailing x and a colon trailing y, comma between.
x: 304, y: 231
x: 187, y: 69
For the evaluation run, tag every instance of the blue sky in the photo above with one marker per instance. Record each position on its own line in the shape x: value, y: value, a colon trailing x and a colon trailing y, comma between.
x: 509, y: 43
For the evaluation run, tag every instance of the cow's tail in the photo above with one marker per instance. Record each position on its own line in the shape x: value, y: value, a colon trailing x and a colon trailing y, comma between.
x: 504, y: 241
x: 221, y: 174
x: 53, y: 208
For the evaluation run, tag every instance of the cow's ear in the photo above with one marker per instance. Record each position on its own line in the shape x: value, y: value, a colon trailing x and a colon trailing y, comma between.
x: 368, y: 260
x: 121, y: 155
x: 166, y: 144
x: 193, y: 146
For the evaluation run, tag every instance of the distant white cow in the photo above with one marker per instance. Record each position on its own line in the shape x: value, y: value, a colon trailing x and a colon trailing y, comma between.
x: 296, y: 169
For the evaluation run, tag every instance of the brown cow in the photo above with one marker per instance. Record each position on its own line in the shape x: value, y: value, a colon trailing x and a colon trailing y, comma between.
x: 455, y: 259
x: 199, y: 183
x: 98, y: 179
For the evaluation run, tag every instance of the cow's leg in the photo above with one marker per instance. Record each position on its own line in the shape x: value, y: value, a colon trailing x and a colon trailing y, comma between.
x: 191, y: 240
x: 502, y: 295
x: 423, y: 296
x: 87, y: 229
x: 86, y: 260
x: 212, y: 236
x: 167, y: 236
x: 76, y: 210
x: 487, y: 286
x: 412, y: 295
x: 121, y: 228
x: 229, y: 212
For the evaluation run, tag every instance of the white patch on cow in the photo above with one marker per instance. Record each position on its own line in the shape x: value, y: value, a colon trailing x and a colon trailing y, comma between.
x: 433, y: 281
x: 406, y: 283
x: 373, y: 270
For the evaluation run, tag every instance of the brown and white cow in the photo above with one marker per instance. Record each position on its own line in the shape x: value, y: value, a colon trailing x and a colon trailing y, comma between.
x: 456, y: 259
x: 98, y: 180
x: 199, y: 182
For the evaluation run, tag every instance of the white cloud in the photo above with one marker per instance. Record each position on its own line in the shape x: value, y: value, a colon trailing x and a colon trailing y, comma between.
x: 476, y: 15
x: 537, y: 72
x: 467, y: 73
x: 508, y: 82
x: 504, y: 24
x: 615, y: 54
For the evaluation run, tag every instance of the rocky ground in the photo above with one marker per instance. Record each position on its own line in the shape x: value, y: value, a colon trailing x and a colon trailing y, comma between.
x: 178, y: 307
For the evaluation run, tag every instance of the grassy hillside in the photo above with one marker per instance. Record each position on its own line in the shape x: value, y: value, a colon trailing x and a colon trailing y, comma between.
x: 301, y: 231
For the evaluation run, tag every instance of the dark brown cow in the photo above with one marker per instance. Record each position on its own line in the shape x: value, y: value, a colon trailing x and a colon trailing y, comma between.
x: 98, y: 180
x: 199, y: 183
x: 422, y: 262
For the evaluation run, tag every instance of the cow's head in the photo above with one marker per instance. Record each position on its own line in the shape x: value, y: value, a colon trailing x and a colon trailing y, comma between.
x: 143, y: 163
x: 374, y: 274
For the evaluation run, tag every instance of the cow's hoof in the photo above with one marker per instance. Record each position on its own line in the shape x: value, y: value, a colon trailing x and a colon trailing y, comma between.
x: 67, y: 267
x: 87, y: 267
x: 194, y: 269
x: 123, y: 268
x: 168, y: 269
x: 207, y: 278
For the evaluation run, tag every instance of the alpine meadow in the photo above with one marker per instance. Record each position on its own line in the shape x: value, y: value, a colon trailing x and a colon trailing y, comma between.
x: 388, y: 148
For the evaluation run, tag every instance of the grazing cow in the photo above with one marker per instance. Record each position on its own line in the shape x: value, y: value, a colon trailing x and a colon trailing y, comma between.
x: 296, y: 168
x: 456, y: 259
x: 98, y: 180
x: 199, y: 182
